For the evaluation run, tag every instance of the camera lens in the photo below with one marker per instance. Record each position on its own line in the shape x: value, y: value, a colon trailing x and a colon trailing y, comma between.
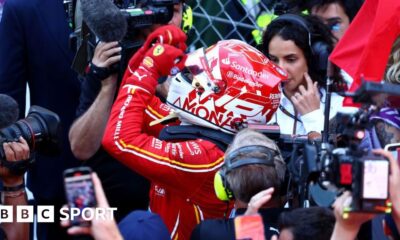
x: 40, y: 129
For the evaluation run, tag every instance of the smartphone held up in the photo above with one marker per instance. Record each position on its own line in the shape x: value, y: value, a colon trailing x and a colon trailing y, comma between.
x: 80, y: 194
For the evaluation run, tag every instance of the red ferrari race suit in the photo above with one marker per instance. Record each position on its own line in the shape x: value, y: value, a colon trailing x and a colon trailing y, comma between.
x: 181, y: 172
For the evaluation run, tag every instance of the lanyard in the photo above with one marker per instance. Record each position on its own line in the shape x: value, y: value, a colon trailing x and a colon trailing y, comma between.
x: 285, y: 111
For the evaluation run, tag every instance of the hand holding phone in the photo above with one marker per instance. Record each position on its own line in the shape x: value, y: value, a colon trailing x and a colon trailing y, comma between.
x: 80, y: 193
x: 394, y: 149
x: 249, y: 227
x: 103, y: 227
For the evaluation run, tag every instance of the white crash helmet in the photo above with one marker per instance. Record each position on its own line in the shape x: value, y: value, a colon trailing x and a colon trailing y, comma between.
x: 226, y: 87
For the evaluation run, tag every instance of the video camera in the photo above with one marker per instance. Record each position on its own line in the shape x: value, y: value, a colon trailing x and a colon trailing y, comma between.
x: 118, y: 20
x: 319, y: 170
x: 41, y: 129
x: 141, y: 14
x: 344, y: 164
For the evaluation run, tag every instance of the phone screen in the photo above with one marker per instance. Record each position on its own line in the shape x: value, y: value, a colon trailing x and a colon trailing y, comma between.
x: 249, y: 227
x: 80, y: 192
x: 375, y: 179
x: 395, y: 153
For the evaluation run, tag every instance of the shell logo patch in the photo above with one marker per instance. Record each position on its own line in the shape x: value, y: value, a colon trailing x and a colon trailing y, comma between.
x: 158, y: 50
x: 148, y: 62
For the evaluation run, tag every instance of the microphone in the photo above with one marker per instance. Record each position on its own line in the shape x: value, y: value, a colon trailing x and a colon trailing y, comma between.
x: 105, y: 19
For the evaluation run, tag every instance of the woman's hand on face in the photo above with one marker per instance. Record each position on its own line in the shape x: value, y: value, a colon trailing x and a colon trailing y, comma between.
x: 306, y: 100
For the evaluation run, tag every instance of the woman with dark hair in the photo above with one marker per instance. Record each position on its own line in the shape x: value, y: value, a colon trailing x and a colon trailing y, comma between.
x: 301, y: 46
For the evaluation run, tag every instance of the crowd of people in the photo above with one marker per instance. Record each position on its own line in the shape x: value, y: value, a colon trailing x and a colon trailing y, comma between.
x: 172, y: 141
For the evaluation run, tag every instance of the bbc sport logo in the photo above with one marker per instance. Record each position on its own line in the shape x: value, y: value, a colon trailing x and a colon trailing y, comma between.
x: 45, y: 214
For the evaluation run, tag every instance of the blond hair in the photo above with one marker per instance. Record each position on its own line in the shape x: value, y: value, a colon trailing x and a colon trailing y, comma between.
x: 393, y: 67
x: 249, y: 137
x: 248, y: 180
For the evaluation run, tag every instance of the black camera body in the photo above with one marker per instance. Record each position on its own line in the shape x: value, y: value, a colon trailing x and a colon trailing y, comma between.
x: 41, y: 129
x: 139, y: 15
x: 320, y: 169
x: 130, y: 16
x: 147, y: 13
x: 366, y: 176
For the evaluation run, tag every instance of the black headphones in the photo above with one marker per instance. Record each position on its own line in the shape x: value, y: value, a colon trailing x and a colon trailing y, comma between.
x: 319, y: 49
x: 221, y: 185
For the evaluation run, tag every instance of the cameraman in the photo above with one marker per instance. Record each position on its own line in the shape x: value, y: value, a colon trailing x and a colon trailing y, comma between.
x: 124, y: 188
x: 14, y: 188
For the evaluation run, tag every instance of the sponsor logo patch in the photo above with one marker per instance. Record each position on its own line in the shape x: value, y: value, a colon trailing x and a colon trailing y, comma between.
x: 158, y: 50
x: 148, y: 62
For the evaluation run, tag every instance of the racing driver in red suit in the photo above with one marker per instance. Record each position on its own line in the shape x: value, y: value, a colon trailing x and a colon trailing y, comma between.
x: 214, y: 93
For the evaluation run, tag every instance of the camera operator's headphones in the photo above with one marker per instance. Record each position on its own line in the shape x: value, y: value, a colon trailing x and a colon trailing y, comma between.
x: 221, y: 185
x: 320, y: 50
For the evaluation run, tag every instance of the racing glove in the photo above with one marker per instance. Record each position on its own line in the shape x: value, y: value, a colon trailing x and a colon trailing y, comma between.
x: 159, y: 61
x: 168, y: 34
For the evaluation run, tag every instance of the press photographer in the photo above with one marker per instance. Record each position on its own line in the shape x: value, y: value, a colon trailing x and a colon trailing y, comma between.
x: 41, y: 131
x: 13, y: 193
x: 19, y: 139
x: 13, y: 151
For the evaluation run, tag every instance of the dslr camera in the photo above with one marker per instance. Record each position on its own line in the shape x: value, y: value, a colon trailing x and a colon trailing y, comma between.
x: 41, y: 129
